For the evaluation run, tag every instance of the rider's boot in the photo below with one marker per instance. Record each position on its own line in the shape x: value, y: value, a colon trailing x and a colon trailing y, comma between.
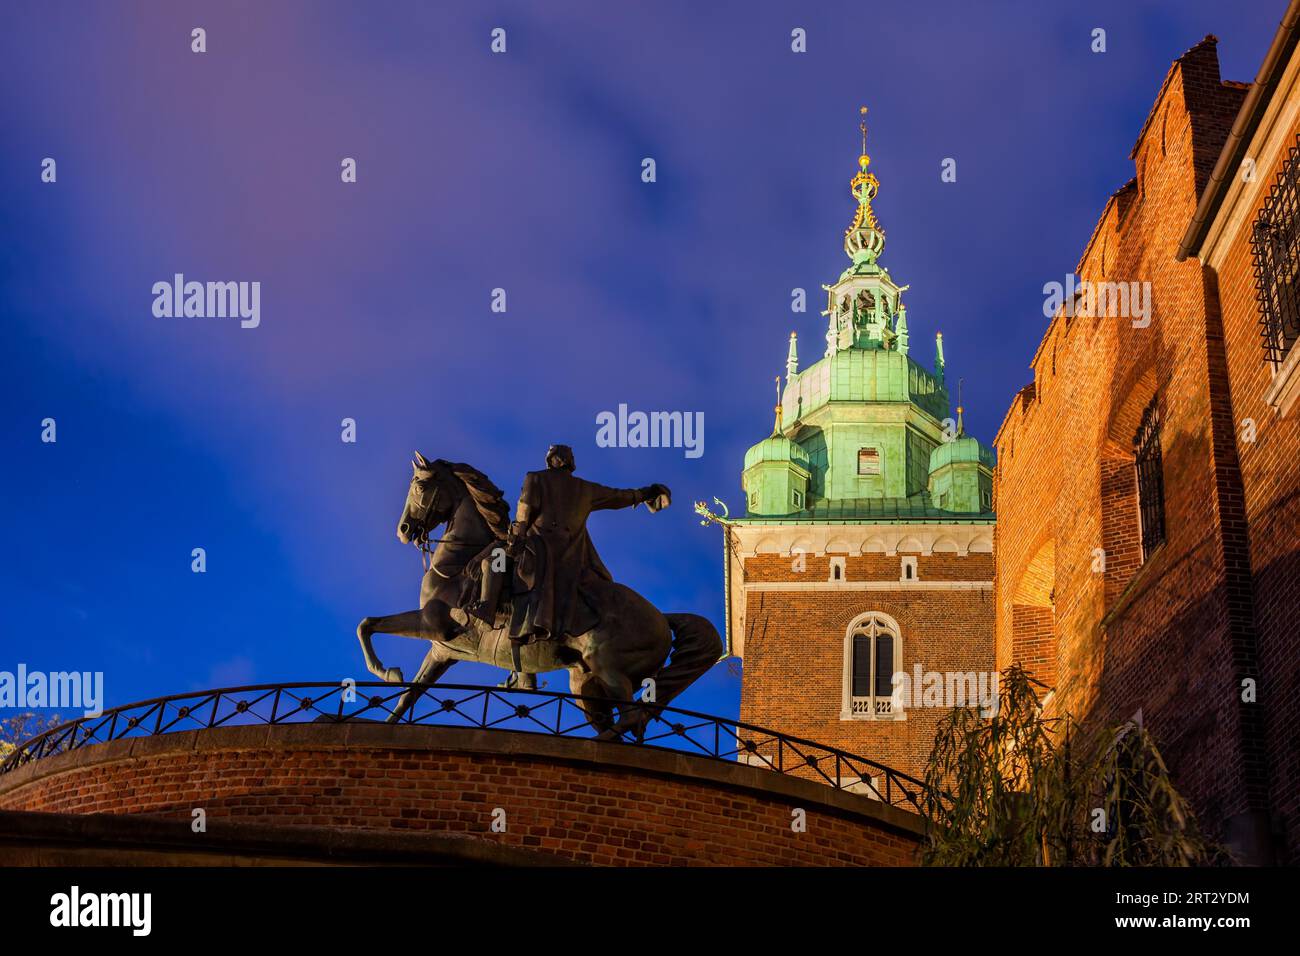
x: 490, y: 581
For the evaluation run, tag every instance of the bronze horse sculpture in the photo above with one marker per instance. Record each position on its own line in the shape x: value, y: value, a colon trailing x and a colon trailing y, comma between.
x: 632, y: 646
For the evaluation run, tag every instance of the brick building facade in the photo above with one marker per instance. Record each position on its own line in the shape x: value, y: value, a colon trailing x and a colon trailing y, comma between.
x: 1245, y: 237
x: 1147, y: 476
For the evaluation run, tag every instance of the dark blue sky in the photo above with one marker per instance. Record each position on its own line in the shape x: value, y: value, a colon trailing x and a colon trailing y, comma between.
x: 478, y: 171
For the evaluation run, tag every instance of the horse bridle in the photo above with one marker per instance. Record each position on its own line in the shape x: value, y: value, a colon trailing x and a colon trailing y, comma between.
x: 426, y: 506
x: 424, y: 542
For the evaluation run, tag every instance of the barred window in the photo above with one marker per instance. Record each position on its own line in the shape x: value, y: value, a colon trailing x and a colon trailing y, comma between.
x: 868, y: 461
x: 1150, y: 480
x: 1275, y: 248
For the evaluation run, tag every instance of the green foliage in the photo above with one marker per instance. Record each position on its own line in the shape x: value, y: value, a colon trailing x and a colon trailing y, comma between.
x: 1152, y: 824
x: 1020, y: 789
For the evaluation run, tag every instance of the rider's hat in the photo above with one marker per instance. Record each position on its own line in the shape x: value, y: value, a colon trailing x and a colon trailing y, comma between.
x: 560, y: 456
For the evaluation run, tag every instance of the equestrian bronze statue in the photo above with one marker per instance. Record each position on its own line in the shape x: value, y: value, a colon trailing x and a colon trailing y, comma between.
x: 533, y: 595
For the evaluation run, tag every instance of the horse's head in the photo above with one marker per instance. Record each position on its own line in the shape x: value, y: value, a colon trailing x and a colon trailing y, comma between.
x: 429, y: 501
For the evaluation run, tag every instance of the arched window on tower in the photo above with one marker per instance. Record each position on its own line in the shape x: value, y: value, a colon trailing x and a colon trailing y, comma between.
x: 873, y: 653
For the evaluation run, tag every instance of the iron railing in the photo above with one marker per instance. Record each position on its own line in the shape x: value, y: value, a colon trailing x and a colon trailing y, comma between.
x: 473, y: 706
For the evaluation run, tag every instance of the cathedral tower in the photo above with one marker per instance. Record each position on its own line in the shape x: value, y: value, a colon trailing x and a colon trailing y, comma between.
x: 866, y: 548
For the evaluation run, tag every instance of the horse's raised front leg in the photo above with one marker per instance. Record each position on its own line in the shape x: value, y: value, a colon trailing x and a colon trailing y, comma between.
x: 433, y: 622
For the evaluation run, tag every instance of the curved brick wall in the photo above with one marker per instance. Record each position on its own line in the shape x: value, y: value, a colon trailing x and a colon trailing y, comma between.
x: 575, y: 799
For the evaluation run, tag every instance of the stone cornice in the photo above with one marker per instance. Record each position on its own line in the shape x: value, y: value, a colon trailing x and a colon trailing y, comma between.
x: 888, y: 539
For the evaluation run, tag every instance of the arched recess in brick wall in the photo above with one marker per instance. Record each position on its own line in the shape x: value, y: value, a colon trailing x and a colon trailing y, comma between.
x: 1033, y: 615
x: 1118, y: 554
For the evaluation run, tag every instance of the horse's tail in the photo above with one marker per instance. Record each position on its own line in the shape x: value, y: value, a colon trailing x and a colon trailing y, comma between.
x: 696, y: 647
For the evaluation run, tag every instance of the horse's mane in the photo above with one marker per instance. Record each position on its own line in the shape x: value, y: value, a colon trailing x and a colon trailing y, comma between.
x: 488, y: 498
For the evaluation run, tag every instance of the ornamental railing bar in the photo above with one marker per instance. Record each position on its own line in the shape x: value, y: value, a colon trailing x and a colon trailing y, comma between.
x: 548, y: 713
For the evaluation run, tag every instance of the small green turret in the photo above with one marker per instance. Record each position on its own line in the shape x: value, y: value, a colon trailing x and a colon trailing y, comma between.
x: 776, y: 473
x: 961, y: 476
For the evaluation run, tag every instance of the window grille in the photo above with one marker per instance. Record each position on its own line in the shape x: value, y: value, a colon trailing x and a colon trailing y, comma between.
x: 1275, y: 249
x: 1150, y: 480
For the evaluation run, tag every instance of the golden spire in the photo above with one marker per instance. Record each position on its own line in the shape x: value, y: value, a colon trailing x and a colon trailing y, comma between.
x: 961, y: 429
x: 776, y: 429
x: 863, y: 160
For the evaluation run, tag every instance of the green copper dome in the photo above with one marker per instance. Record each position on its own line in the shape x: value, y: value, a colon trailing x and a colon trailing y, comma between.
x: 962, y: 450
x: 776, y: 448
x: 863, y: 375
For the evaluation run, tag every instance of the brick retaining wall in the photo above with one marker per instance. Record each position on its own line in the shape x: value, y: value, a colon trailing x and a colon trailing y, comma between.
x: 589, y: 802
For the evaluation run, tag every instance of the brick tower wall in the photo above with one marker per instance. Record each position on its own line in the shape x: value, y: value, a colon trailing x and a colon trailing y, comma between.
x: 794, y: 645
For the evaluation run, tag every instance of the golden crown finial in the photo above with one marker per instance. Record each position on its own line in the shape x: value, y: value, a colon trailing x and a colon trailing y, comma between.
x: 864, y: 238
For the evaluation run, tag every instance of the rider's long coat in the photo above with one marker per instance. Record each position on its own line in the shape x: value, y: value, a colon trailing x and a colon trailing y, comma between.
x: 554, y: 574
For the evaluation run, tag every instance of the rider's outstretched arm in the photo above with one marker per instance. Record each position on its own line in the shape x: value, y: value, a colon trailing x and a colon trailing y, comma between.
x: 603, y: 498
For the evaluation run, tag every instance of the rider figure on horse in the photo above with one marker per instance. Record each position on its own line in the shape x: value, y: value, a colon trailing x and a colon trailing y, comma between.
x: 554, y: 561
x: 609, y: 653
